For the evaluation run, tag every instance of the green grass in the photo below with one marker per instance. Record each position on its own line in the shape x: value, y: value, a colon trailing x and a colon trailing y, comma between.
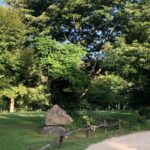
x: 20, y: 130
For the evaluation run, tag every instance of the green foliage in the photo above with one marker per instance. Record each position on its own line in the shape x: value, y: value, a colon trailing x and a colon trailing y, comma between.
x: 131, y: 61
x: 60, y: 60
x: 38, y: 95
x: 34, y: 98
x: 116, y: 35
x: 108, y: 90
x: 129, y: 56
x: 86, y: 22
x: 12, y: 29
x: 61, y: 64
x: 18, y: 76
x: 13, y: 91
x: 12, y: 32
x: 137, y: 16
x: 145, y: 112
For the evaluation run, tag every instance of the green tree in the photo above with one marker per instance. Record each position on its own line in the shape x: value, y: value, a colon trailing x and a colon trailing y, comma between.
x: 137, y: 21
x: 129, y: 56
x: 89, y: 23
x: 132, y: 62
x: 12, y: 29
x: 12, y: 32
x: 108, y: 91
x: 115, y: 33
x: 61, y: 64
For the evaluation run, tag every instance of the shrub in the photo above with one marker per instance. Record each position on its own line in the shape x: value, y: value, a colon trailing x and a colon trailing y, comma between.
x: 145, y: 112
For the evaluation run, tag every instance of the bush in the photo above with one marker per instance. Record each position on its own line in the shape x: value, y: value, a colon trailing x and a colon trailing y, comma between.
x: 3, y: 105
x: 145, y: 112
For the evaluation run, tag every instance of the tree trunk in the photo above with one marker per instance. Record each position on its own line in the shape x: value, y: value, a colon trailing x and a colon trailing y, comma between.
x: 12, y: 105
x: 49, y: 90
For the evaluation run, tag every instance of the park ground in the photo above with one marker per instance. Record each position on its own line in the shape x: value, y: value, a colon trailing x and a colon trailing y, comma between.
x: 134, y: 141
x: 20, y: 130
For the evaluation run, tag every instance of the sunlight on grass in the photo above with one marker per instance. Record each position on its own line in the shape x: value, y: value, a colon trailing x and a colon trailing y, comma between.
x: 20, y: 130
x: 4, y: 117
x: 30, y: 115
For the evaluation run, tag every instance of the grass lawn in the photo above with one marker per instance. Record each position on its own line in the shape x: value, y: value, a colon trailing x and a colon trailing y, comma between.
x: 19, y: 130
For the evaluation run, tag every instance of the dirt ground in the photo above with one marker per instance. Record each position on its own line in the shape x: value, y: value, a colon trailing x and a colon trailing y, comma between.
x: 135, y: 141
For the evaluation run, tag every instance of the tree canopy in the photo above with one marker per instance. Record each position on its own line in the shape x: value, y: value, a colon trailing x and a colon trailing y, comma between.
x: 75, y: 53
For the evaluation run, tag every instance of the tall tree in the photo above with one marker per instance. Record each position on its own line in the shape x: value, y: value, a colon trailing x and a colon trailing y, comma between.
x: 132, y: 62
x: 12, y: 31
x: 61, y: 65
x: 96, y: 25
x: 131, y: 52
x: 89, y: 23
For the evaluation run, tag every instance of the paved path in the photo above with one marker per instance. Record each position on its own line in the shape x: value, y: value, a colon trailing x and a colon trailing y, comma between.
x: 135, y: 141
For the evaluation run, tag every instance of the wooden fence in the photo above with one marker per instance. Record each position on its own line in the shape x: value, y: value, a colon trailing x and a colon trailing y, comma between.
x: 88, y: 129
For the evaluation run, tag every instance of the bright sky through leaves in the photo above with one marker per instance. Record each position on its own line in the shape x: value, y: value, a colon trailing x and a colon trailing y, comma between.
x: 2, y: 3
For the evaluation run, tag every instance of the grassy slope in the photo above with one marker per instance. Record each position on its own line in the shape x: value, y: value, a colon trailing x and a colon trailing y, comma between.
x: 19, y: 130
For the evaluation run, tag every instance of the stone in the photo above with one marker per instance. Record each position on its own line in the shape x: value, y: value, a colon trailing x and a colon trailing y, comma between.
x: 57, y: 130
x: 57, y: 117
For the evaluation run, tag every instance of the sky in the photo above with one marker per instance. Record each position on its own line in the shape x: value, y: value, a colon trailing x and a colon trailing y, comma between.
x: 2, y: 3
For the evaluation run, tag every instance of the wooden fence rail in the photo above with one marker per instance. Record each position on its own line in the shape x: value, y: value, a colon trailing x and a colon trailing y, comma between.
x: 60, y: 138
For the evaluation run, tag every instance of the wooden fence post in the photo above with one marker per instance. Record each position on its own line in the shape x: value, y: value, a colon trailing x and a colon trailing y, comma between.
x: 61, y: 139
x: 105, y: 126
x: 88, y: 131
x: 119, y: 124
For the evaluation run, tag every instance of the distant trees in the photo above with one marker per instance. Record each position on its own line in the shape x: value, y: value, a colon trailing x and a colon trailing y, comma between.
x: 75, y: 53
x: 108, y: 92
x: 132, y: 62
